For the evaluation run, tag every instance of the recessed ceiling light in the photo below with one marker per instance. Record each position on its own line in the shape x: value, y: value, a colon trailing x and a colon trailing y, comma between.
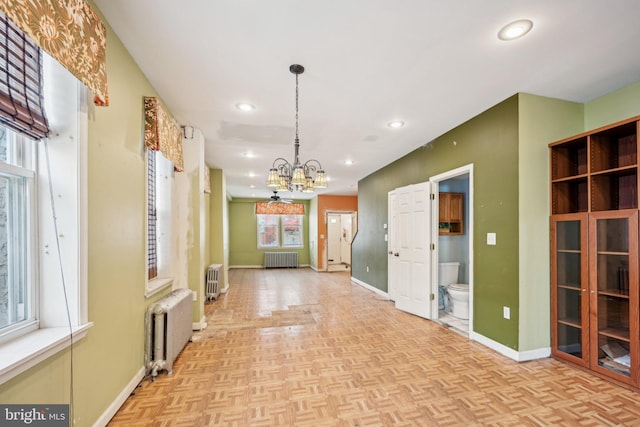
x: 248, y: 154
x: 395, y: 124
x: 243, y: 106
x: 515, y: 29
x: 252, y: 186
x: 348, y: 162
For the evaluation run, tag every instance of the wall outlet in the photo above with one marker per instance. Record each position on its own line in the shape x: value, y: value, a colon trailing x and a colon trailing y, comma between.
x: 195, y: 295
x: 506, y: 312
x: 367, y: 268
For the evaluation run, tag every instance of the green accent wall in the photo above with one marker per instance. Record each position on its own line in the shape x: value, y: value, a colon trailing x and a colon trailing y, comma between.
x: 489, y: 141
x: 508, y: 146
x: 243, y: 234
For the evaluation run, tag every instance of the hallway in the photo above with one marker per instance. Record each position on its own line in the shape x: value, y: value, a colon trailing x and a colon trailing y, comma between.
x: 296, y: 347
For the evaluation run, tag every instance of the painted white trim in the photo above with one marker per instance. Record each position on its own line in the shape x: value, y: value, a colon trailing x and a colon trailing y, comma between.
x: 28, y: 350
x: 120, y: 399
x: 539, y: 353
x: 518, y: 356
x: 156, y: 285
x: 494, y: 345
x: 369, y: 287
x: 469, y: 226
x: 199, y: 326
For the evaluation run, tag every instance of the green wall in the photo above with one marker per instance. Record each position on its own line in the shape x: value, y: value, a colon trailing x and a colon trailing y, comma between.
x: 541, y: 121
x: 112, y: 353
x: 243, y: 234
x: 615, y: 106
x: 218, y: 224
x: 489, y: 141
x: 508, y: 146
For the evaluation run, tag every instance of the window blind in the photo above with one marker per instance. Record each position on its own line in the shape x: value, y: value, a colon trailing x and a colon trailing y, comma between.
x: 152, y: 218
x: 21, y: 102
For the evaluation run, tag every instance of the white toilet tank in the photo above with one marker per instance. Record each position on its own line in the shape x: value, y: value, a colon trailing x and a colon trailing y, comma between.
x: 448, y: 273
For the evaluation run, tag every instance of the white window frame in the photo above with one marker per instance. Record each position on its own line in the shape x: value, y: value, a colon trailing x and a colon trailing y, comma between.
x: 279, y: 242
x: 165, y: 183
x: 21, y: 162
x: 300, y: 233
x: 66, y: 103
x: 261, y: 231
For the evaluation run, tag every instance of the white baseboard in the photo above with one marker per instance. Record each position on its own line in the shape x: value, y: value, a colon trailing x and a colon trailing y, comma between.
x: 518, y: 356
x: 120, y: 399
x: 199, y: 326
x: 369, y: 287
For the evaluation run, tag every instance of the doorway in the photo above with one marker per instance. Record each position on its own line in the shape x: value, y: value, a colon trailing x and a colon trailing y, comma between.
x: 340, y: 234
x: 453, y: 249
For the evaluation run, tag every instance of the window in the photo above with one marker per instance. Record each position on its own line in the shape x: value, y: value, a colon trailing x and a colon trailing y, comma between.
x: 268, y: 231
x: 17, y: 203
x: 279, y: 231
x: 291, y: 231
x: 159, y: 194
x: 34, y: 321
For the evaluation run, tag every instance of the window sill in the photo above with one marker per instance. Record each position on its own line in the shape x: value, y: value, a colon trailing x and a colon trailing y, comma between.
x: 22, y: 353
x: 156, y: 285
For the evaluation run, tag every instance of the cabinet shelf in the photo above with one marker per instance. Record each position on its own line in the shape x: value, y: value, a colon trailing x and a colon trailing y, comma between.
x: 621, y: 334
x: 595, y: 245
x: 571, y: 322
x: 570, y: 286
x: 616, y: 293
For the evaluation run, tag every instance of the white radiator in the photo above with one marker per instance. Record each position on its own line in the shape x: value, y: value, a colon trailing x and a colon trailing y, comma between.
x: 280, y: 259
x: 213, y: 281
x: 169, y: 328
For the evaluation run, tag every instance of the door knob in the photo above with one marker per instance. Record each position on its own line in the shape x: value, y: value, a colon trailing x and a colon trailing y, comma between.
x: 396, y: 254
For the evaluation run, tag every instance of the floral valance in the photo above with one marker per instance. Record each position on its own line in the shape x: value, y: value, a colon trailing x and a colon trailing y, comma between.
x: 161, y: 132
x: 279, y: 208
x: 71, y: 32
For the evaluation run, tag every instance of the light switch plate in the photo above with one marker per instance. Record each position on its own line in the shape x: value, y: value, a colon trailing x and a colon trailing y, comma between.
x: 491, y: 238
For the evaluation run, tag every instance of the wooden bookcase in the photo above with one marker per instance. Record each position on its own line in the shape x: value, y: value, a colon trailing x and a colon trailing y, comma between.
x: 595, y: 285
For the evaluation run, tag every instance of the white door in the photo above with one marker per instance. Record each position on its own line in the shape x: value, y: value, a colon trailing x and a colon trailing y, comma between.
x: 411, y: 270
x: 346, y: 237
x: 334, y: 247
x: 391, y: 246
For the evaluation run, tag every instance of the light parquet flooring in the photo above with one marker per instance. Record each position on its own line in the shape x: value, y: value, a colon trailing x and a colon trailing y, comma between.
x: 301, y: 348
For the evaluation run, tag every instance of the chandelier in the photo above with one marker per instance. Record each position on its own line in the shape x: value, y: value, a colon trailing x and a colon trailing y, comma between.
x: 296, y: 176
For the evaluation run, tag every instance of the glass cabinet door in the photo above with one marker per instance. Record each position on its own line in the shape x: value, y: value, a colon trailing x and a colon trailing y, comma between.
x: 614, y: 293
x: 569, y: 269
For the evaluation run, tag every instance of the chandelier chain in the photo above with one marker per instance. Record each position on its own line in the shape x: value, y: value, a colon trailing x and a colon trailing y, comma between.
x: 296, y: 107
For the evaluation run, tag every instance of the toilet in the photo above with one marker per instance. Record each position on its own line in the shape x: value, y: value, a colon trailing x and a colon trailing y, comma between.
x: 459, y: 296
x: 458, y: 292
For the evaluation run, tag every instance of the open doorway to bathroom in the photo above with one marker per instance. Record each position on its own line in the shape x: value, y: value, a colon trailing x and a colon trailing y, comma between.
x: 452, y: 280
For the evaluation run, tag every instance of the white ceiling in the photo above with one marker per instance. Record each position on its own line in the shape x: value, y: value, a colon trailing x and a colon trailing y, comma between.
x: 431, y: 63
